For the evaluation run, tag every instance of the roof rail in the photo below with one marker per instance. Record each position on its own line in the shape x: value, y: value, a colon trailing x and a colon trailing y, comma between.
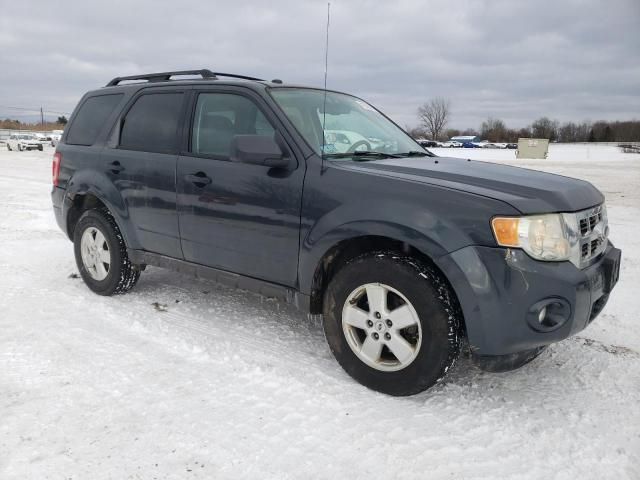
x: 166, y: 76
x: 243, y: 77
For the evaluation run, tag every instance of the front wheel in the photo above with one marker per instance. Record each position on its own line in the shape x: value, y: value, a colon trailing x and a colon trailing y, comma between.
x: 392, y: 323
x: 101, y: 254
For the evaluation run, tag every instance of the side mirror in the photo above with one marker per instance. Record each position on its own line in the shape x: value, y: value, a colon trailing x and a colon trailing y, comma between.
x: 257, y: 150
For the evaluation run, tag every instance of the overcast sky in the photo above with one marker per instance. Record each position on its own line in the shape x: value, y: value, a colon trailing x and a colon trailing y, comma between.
x: 515, y: 60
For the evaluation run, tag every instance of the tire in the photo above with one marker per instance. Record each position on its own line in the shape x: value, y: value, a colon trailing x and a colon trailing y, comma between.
x: 99, y: 230
x: 8, y: 147
x: 41, y: 148
x: 413, y: 292
x: 19, y: 147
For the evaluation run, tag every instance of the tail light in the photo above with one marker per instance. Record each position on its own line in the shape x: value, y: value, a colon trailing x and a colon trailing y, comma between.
x: 57, y: 161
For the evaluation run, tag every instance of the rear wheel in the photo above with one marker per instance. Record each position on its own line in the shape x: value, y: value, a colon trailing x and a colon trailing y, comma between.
x: 101, y: 254
x: 8, y: 147
x: 391, y: 323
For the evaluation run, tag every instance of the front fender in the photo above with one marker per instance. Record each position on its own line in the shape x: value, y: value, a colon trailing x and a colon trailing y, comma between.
x: 322, y: 238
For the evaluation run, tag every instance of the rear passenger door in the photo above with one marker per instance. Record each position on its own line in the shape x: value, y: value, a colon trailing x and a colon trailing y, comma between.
x: 238, y: 217
x: 142, y: 163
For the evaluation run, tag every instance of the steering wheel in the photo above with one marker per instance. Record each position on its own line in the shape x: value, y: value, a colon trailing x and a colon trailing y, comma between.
x: 357, y: 144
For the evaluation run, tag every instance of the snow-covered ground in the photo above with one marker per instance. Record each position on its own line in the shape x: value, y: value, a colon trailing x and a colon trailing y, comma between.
x: 185, y: 379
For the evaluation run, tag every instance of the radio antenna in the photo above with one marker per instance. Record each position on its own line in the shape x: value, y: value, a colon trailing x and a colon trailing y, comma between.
x: 326, y: 64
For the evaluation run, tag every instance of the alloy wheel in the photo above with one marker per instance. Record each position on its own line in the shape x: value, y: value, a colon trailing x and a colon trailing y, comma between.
x: 381, y: 327
x: 95, y: 253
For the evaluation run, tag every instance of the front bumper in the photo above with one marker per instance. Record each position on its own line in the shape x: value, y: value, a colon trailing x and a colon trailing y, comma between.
x: 501, y: 290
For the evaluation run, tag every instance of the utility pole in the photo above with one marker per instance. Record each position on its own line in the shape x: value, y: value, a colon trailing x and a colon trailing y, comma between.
x: 41, y: 118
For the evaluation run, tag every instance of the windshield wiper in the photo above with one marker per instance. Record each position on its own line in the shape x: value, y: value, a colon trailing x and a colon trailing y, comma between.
x: 416, y: 153
x: 362, y: 155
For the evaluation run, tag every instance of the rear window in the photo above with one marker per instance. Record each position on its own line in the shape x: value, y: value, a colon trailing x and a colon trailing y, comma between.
x: 90, y: 119
x: 151, y: 125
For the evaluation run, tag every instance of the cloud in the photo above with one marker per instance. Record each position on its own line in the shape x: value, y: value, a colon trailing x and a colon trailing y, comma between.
x: 516, y: 60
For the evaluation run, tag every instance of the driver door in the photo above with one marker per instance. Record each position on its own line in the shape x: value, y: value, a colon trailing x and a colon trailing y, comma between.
x: 238, y: 217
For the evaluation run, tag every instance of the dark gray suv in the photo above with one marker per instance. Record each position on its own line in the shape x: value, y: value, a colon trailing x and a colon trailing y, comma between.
x: 317, y: 198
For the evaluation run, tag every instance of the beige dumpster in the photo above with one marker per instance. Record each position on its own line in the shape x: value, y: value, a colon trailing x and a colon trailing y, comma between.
x: 532, y: 148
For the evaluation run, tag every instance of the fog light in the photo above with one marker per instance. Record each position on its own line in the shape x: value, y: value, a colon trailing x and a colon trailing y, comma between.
x: 549, y: 314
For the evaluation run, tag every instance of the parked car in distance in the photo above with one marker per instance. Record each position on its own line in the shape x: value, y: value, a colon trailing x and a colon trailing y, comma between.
x: 512, y: 146
x: 471, y: 145
x: 21, y: 141
x: 55, y: 137
x: 451, y: 144
x: 428, y: 143
x: 401, y: 253
x: 493, y: 145
x: 42, y: 138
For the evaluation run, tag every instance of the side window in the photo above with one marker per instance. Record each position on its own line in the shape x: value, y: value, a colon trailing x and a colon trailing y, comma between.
x: 90, y: 119
x: 151, y: 125
x: 220, y: 116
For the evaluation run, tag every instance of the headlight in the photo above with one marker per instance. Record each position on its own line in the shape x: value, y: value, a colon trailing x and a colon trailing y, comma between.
x: 552, y: 237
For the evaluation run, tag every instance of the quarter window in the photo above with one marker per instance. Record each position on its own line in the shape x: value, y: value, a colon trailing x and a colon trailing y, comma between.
x: 151, y: 125
x: 90, y: 119
x: 220, y: 116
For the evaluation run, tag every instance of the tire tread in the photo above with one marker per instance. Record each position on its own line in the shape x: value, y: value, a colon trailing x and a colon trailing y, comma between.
x: 439, y: 292
x: 128, y: 273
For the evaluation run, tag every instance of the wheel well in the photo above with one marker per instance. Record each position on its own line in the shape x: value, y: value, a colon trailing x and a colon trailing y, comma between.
x: 81, y: 203
x: 342, y: 252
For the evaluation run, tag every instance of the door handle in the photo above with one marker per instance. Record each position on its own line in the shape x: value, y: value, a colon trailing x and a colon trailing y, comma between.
x: 115, y: 167
x: 199, y: 179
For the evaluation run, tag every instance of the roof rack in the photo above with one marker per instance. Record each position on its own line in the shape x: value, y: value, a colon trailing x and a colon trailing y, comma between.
x: 166, y: 76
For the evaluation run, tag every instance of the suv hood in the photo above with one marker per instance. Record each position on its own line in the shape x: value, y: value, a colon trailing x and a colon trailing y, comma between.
x: 529, y: 191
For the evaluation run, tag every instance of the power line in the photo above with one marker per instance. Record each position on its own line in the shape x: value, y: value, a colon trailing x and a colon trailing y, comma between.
x: 23, y: 115
x: 34, y: 110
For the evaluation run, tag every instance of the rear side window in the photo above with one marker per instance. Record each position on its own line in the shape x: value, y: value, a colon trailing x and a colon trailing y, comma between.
x: 151, y: 125
x: 90, y: 119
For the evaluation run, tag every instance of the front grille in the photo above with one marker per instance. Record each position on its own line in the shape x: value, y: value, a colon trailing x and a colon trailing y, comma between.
x: 593, y: 233
x: 587, y: 224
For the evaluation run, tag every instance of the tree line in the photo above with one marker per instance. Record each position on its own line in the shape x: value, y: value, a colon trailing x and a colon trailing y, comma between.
x: 434, y: 117
x: 11, y: 124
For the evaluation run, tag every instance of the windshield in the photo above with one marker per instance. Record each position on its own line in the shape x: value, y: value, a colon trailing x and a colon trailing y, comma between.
x: 351, y: 126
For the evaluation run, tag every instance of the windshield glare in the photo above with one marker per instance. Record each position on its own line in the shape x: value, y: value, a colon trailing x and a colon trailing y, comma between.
x: 350, y: 124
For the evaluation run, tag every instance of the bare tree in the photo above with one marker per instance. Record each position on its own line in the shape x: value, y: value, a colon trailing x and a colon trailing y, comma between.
x: 434, y: 116
x: 415, y: 132
x: 494, y: 130
x: 545, y: 128
x: 451, y: 132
